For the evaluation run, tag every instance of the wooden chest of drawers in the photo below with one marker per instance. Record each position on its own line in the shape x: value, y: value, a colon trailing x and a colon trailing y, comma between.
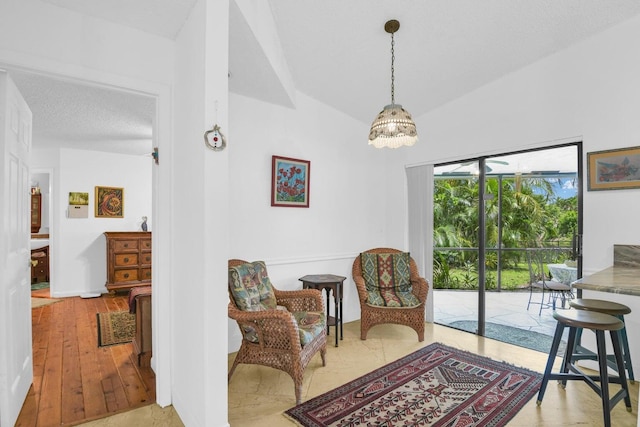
x: 128, y: 259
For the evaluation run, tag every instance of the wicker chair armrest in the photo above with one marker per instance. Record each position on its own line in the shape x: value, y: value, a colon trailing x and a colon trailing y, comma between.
x: 361, y: 288
x: 420, y: 288
x: 300, y: 300
x: 274, y: 328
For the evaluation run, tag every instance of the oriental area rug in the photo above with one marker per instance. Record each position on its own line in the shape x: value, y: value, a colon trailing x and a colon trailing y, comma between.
x: 434, y: 386
x: 115, y: 327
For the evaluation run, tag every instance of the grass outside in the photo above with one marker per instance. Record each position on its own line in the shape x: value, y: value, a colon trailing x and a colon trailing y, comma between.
x: 514, y: 278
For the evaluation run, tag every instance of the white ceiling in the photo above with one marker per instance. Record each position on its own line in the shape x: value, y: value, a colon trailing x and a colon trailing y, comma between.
x: 337, y: 52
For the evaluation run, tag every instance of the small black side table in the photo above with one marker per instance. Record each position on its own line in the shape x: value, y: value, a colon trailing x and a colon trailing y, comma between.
x: 328, y: 282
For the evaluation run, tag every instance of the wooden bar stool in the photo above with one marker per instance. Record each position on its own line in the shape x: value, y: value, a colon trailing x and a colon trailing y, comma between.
x: 614, y: 309
x: 599, y: 322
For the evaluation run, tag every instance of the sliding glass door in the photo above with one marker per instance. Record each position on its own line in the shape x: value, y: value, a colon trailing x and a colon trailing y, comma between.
x: 489, y: 214
x: 456, y: 248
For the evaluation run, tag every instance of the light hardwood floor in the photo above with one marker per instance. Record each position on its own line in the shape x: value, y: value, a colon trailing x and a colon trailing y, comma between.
x: 74, y: 379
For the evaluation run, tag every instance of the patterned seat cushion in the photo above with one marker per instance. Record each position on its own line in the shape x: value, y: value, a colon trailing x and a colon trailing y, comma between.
x: 387, y: 277
x: 251, y: 288
x: 310, y: 325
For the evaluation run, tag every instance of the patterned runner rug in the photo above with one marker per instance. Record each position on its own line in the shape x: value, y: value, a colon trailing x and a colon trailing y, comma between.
x: 115, y: 327
x: 435, y: 386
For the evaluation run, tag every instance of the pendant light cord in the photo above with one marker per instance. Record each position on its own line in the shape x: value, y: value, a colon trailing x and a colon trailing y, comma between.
x: 392, y: 71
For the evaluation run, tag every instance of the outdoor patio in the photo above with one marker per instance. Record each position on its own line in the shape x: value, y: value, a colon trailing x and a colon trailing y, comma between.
x: 508, y: 308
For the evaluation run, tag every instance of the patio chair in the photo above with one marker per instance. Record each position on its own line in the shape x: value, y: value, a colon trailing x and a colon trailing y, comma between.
x: 390, y: 290
x: 280, y: 329
x: 550, y: 289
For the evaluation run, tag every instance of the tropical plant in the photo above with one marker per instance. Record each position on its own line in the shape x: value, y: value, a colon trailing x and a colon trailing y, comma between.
x: 529, y: 212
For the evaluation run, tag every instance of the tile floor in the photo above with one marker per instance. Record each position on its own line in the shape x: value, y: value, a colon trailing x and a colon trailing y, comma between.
x: 503, y: 308
x: 146, y: 416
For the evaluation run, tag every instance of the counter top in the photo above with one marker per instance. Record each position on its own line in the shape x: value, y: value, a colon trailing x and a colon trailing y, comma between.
x: 616, y: 279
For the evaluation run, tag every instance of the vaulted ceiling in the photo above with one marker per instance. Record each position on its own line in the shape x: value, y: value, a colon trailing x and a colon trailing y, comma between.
x: 336, y: 52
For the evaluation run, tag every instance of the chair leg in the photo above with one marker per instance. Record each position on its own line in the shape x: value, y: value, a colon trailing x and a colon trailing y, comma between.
x: 297, y: 385
x: 604, y: 377
x: 363, y: 332
x: 567, y: 360
x: 626, y: 353
x: 555, y: 344
x: 617, y: 351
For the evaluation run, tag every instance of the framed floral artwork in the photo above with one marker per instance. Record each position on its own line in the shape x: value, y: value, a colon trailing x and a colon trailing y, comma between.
x: 290, y: 182
x: 614, y: 169
x: 109, y: 202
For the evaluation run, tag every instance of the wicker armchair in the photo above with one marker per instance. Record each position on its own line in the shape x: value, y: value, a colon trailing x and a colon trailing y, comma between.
x: 273, y: 337
x: 376, y: 314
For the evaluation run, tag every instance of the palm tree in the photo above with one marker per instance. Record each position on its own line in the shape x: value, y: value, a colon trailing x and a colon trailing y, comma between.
x: 529, y: 212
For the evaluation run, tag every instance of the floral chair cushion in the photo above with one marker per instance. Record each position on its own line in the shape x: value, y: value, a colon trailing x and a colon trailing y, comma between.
x: 387, y: 277
x: 251, y: 288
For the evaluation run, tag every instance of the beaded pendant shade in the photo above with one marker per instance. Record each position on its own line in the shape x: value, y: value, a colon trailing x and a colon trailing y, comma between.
x: 393, y: 127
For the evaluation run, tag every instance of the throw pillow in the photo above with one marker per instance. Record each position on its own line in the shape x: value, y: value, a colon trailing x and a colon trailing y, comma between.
x: 251, y: 288
x: 387, y: 278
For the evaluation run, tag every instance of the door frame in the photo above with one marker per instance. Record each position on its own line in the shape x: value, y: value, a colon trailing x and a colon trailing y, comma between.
x: 162, y: 264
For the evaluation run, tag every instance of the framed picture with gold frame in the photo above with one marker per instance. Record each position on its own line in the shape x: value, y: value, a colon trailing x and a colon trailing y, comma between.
x: 614, y: 169
x: 109, y: 202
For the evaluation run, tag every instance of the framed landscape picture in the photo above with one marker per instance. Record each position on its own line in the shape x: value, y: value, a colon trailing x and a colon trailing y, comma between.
x: 77, y: 198
x: 614, y: 169
x: 290, y: 182
x: 109, y: 202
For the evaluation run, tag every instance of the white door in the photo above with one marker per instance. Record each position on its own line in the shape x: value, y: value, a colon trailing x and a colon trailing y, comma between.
x: 16, y: 364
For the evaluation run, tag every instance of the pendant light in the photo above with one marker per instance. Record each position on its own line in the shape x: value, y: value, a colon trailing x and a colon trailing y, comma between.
x: 393, y: 126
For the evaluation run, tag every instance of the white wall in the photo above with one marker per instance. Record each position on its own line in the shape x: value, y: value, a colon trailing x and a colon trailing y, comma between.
x: 200, y: 242
x: 346, y: 211
x: 589, y: 92
x: 77, y: 245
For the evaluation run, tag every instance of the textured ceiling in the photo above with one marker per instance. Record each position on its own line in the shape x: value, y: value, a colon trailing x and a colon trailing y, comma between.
x: 75, y: 115
x: 337, y: 52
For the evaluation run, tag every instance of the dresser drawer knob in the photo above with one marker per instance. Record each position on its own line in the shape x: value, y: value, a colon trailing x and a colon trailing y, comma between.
x: 126, y: 245
x: 126, y: 275
x: 126, y: 260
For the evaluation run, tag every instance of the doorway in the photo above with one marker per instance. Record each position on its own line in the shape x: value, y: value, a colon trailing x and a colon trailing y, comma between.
x: 488, y: 212
x: 60, y: 181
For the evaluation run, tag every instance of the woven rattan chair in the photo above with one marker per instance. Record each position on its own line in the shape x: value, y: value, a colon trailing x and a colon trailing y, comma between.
x: 371, y: 315
x: 272, y: 338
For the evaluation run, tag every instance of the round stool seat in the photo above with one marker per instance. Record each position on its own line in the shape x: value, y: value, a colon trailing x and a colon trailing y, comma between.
x: 600, y: 306
x: 588, y: 319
